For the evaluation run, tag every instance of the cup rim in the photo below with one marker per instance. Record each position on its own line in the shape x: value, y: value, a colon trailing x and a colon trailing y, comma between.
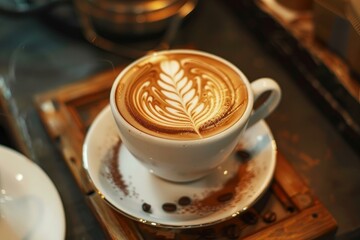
x: 239, y: 124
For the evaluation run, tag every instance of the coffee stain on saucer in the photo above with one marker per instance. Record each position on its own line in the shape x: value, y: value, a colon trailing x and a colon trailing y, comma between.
x: 228, y: 195
x: 205, y: 202
x: 113, y: 173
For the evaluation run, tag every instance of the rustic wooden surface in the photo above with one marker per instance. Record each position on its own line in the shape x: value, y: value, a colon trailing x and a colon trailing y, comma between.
x: 68, y: 112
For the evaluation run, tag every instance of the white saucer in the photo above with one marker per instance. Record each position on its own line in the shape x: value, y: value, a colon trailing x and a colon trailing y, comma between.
x: 30, y: 206
x: 126, y: 185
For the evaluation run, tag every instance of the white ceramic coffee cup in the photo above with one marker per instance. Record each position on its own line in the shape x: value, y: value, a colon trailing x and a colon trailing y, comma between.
x: 187, y: 160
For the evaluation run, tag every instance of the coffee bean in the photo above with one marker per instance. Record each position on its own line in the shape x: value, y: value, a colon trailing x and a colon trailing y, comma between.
x: 244, y: 155
x: 146, y: 207
x: 250, y: 217
x: 225, y: 197
x: 169, y: 207
x: 269, y: 217
x: 232, y: 231
x: 184, y: 201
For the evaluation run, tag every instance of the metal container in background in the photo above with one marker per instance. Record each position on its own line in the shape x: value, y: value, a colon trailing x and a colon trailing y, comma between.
x: 124, y: 17
x: 131, y: 18
x: 105, y: 23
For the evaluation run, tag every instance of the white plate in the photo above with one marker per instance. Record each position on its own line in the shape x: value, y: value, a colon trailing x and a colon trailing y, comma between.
x: 30, y: 206
x: 126, y: 185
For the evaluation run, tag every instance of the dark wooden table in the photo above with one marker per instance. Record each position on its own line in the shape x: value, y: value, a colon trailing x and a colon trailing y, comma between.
x: 42, y: 54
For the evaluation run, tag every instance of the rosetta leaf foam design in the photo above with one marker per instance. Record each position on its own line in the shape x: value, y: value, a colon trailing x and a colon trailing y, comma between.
x: 182, y: 100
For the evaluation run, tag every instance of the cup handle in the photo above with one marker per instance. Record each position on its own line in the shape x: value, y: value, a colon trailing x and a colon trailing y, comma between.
x: 259, y: 87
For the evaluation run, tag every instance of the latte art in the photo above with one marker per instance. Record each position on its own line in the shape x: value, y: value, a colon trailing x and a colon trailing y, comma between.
x: 179, y: 102
x: 181, y: 96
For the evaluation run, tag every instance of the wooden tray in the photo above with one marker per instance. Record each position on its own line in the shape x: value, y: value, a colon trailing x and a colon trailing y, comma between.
x: 288, y: 210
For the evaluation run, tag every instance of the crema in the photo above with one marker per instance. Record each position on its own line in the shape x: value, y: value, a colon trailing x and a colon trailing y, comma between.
x: 182, y: 96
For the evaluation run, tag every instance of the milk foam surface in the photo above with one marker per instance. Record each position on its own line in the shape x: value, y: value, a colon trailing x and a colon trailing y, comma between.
x: 181, y: 96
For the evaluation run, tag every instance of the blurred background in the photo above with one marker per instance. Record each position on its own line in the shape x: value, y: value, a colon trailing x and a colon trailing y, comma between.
x: 311, y: 47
